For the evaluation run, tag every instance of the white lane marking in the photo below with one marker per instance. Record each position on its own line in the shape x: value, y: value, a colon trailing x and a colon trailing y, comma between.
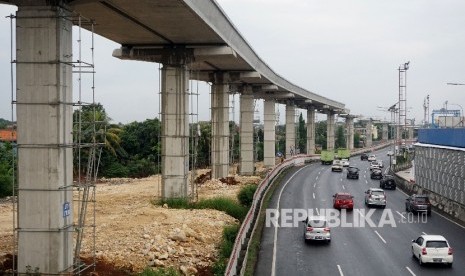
x: 317, y: 212
x: 319, y: 172
x: 341, y: 179
x: 317, y: 177
x: 380, y: 236
x: 340, y: 270
x: 343, y: 187
x: 459, y: 225
x: 360, y: 213
x: 314, y: 185
x: 365, y: 175
x: 400, y: 214
x: 423, y: 233
x: 273, y: 263
x: 366, y: 181
x: 409, y: 270
x: 313, y: 195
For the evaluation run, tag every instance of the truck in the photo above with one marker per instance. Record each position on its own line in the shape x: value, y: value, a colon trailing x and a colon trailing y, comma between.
x: 343, y: 153
x: 326, y: 157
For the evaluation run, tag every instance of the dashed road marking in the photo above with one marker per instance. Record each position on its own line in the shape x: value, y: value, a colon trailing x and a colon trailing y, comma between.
x: 380, y: 236
x: 343, y: 187
x: 340, y: 270
x: 409, y: 270
x: 313, y: 195
x: 314, y: 185
x: 400, y: 214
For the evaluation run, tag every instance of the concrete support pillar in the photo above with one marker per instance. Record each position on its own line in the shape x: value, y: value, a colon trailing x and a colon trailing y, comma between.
x: 385, y: 132
x: 330, y: 141
x: 311, y: 130
x: 246, y: 131
x: 369, y: 138
x: 350, y: 133
x: 175, y: 130
x: 290, y: 130
x: 220, y: 126
x: 269, y: 134
x: 45, y: 157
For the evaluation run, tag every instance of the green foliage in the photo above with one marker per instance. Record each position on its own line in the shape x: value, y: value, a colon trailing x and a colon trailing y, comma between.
x: 160, y: 272
x: 245, y: 195
x: 224, y: 204
x: 229, y: 236
x: 340, y: 137
x: 219, y: 267
x: 6, y: 169
x: 320, y: 134
x: 357, y: 140
x: 116, y: 170
x: 4, y: 123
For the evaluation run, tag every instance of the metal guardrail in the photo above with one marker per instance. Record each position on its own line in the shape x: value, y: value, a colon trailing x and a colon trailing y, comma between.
x: 238, y: 258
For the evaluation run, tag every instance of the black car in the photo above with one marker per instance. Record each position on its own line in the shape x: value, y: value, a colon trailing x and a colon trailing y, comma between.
x: 376, y: 174
x: 352, y: 172
x: 418, y: 203
x: 364, y: 156
x: 387, y: 182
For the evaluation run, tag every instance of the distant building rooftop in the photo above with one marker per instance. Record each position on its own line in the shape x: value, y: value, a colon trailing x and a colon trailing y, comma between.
x: 7, y: 135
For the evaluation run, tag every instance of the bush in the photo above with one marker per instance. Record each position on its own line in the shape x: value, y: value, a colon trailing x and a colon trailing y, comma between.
x: 245, y: 195
x: 229, y: 236
x: 6, y: 180
x: 141, y: 168
x: 176, y: 203
x: 116, y: 170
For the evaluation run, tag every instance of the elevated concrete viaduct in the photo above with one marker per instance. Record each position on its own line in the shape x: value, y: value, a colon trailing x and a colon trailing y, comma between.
x: 185, y: 36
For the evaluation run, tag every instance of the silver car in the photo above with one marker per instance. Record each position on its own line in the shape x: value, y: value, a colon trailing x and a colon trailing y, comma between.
x: 316, y: 228
x: 375, y: 197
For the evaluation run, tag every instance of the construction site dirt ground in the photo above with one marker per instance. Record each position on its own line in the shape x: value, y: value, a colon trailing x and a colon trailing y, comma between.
x: 132, y: 233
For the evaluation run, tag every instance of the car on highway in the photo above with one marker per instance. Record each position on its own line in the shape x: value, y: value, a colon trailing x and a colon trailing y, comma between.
x: 363, y: 156
x: 380, y: 163
x: 316, y: 229
x: 345, y: 162
x: 352, y: 172
x: 343, y: 201
x: 371, y: 158
x: 418, y: 203
x: 337, y: 166
x: 374, y: 165
x: 375, y: 197
x: 376, y: 174
x: 388, y: 182
x: 432, y: 249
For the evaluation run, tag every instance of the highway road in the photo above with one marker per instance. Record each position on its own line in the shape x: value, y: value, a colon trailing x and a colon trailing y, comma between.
x: 365, y: 250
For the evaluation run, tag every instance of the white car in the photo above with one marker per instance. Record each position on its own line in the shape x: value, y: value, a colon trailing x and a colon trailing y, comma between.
x: 371, y: 158
x: 316, y: 228
x: 337, y: 166
x: 345, y: 162
x: 375, y: 196
x: 374, y: 165
x: 432, y: 249
x: 380, y: 163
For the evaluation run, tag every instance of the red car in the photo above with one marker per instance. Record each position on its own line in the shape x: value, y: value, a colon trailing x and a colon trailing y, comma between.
x: 343, y: 201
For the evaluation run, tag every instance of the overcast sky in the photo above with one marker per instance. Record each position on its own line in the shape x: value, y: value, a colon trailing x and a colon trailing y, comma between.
x: 346, y: 50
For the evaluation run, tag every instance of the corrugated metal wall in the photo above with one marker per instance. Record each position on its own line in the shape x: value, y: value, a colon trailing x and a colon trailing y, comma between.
x: 441, y: 171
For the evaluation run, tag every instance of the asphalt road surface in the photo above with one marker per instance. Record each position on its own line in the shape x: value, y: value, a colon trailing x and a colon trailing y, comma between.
x: 368, y: 250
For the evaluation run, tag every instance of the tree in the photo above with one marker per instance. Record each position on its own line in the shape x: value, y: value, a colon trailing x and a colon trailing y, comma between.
x: 340, y: 137
x: 357, y: 140
x: 321, y: 133
x: 6, y: 169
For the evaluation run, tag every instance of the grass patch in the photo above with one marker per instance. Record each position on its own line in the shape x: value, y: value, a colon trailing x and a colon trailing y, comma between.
x: 245, y: 195
x: 226, y: 247
x: 256, y: 238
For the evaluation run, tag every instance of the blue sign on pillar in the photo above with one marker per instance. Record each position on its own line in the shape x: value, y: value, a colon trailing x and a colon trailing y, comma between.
x: 66, y: 209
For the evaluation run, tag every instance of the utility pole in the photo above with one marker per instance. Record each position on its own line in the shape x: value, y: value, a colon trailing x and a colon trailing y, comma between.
x: 402, y: 100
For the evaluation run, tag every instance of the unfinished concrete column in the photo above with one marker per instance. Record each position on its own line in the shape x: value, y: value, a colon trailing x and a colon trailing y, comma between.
x: 175, y: 129
x: 369, y: 138
x: 311, y: 130
x: 246, y: 131
x: 350, y: 132
x: 290, y: 130
x: 385, y: 132
x: 269, y: 136
x: 220, y: 126
x: 410, y: 133
x: 330, y: 142
x: 45, y: 157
